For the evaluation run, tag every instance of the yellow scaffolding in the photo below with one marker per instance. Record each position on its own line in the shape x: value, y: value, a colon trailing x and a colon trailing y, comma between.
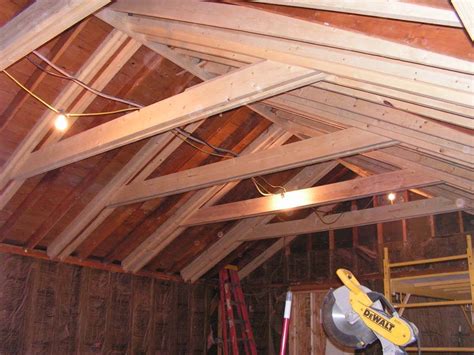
x: 449, y: 288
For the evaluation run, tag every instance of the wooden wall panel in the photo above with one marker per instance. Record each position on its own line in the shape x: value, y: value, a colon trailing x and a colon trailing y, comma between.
x: 53, y: 308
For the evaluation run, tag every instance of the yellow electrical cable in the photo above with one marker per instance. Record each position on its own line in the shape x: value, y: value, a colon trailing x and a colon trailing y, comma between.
x: 54, y: 109
x: 128, y: 109
x: 30, y: 92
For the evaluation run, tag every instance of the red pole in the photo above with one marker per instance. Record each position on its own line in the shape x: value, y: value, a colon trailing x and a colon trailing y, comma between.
x: 286, y: 323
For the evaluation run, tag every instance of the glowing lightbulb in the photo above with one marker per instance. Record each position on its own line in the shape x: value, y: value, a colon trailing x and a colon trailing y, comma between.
x: 61, y: 122
x: 391, y: 197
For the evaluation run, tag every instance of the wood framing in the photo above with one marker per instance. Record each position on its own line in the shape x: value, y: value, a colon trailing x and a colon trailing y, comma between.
x: 171, y: 229
x: 315, y: 196
x: 238, y: 88
x: 465, y: 10
x: 331, y: 146
x: 368, y: 216
x: 397, y: 10
x: 270, y: 24
x: 40, y: 22
x: 395, y: 74
x: 232, y: 239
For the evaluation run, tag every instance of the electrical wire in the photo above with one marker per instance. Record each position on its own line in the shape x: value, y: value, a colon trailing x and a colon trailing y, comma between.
x: 321, y: 218
x: 81, y: 83
x: 31, y: 92
x: 58, y: 111
x: 177, y: 131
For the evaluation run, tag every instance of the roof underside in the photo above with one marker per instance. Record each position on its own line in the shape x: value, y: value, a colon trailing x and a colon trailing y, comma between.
x: 425, y: 132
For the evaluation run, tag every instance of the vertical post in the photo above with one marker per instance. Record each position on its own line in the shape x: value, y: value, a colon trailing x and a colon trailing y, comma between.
x: 386, y: 275
x: 432, y: 226
x: 355, y: 241
x: 287, y: 251
x: 470, y: 265
x: 331, y: 253
x: 461, y: 222
x: 309, y: 248
x: 404, y: 221
x: 379, y: 238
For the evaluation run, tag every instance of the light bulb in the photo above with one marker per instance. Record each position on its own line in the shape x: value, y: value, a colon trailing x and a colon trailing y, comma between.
x: 391, y: 197
x: 61, y: 122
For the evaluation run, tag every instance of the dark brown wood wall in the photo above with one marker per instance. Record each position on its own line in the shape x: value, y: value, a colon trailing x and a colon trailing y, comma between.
x: 53, y: 308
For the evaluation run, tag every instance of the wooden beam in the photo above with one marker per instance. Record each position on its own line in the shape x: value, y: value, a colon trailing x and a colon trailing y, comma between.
x: 465, y: 10
x: 315, y: 196
x: 13, y: 249
x: 271, y: 24
x: 249, y: 84
x: 112, y: 19
x: 342, y: 111
x: 97, y: 71
x: 309, y: 125
x: 397, y: 10
x: 364, y: 217
x: 331, y: 146
x: 231, y: 240
x: 39, y: 23
x: 171, y: 228
x: 407, y: 77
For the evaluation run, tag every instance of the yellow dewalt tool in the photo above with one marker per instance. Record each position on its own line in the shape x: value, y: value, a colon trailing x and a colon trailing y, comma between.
x: 354, y: 317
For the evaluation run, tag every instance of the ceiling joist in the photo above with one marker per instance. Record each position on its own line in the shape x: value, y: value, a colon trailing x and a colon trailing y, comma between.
x: 310, y: 151
x: 40, y: 22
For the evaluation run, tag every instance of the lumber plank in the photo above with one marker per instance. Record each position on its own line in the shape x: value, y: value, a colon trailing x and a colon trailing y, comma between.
x: 455, y: 175
x: 465, y: 10
x: 217, y: 95
x: 270, y: 24
x: 397, y: 10
x: 368, y: 216
x: 443, y: 85
x: 335, y: 145
x: 38, y: 254
x: 231, y: 240
x: 315, y: 196
x: 39, y: 23
x: 458, y: 153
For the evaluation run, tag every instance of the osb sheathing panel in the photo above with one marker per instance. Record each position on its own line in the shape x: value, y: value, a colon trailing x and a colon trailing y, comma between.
x: 54, y: 308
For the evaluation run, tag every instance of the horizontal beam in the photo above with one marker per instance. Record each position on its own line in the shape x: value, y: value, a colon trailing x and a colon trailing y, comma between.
x: 397, y: 10
x: 13, y: 249
x: 310, y: 151
x: 368, y: 216
x: 252, y: 83
x: 265, y: 23
x: 315, y: 196
x: 231, y: 240
x: 39, y: 23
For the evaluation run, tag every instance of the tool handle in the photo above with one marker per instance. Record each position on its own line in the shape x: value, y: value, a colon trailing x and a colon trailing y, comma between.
x: 349, y: 280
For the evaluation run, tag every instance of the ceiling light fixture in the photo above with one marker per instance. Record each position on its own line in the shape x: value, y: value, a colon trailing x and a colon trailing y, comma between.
x: 61, y: 122
x: 391, y: 197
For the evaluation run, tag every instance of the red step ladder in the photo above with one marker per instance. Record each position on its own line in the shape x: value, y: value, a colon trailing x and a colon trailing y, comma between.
x: 232, y: 298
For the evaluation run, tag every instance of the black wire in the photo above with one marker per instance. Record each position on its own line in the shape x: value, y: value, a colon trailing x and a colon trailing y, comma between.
x: 317, y: 211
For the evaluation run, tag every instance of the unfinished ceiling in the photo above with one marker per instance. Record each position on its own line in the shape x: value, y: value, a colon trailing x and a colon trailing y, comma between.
x: 313, y: 106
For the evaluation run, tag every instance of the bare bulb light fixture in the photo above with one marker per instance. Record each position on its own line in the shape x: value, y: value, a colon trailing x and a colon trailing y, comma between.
x: 391, y: 197
x: 61, y: 123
